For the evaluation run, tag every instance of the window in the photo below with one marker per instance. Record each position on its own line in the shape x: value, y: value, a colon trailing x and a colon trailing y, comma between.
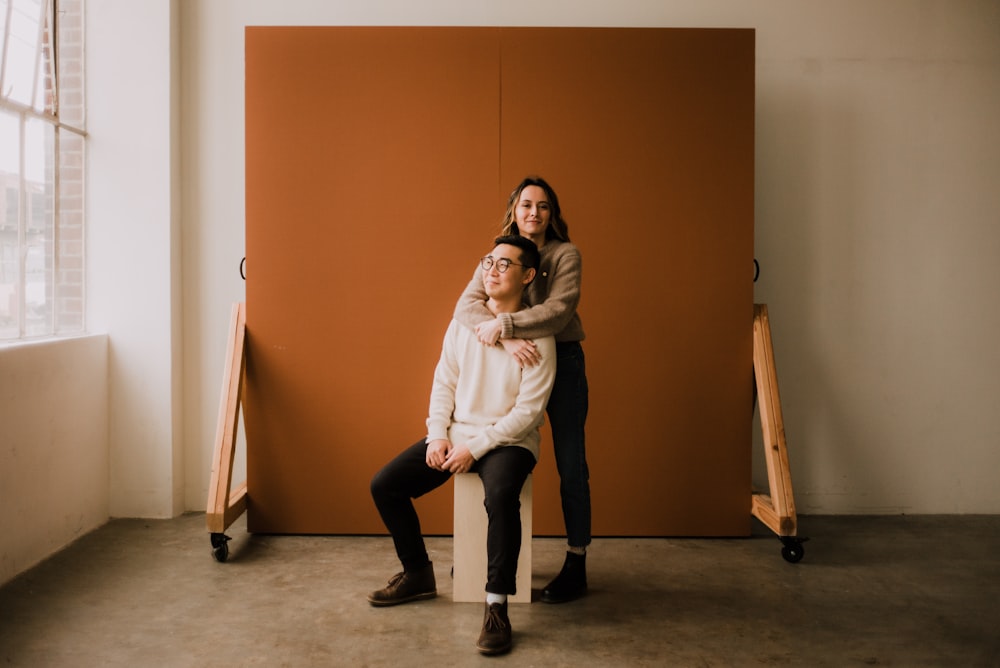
x: 42, y: 143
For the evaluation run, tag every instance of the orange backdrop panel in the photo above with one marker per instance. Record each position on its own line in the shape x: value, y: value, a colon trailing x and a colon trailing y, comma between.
x: 647, y: 135
x: 371, y: 187
x: 378, y: 162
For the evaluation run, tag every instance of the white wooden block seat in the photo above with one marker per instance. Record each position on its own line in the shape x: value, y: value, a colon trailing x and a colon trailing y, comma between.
x: 470, y: 542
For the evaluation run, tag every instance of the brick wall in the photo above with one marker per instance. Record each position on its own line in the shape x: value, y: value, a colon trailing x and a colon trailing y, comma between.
x: 69, y: 238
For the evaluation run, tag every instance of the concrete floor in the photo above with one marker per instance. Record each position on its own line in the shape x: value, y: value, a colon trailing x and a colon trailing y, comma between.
x: 883, y: 591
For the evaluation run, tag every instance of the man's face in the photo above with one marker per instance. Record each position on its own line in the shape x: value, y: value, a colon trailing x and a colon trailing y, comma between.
x: 505, y: 284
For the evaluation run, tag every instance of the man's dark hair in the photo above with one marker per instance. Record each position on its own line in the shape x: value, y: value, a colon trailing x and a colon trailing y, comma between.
x: 530, y: 257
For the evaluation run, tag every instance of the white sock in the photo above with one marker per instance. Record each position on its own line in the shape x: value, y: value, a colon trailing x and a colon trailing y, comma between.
x: 577, y: 550
x: 495, y: 598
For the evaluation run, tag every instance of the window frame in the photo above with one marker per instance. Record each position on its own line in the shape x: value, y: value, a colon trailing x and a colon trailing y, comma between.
x: 47, y: 262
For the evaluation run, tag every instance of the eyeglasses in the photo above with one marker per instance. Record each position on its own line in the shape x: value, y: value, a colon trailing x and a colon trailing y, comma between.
x: 502, y: 264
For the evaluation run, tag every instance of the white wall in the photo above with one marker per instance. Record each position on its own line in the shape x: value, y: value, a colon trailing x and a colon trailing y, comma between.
x: 877, y: 227
x: 877, y: 224
x: 54, y: 447
x: 133, y: 245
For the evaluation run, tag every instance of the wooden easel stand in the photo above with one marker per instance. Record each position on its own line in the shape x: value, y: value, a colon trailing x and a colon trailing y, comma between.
x: 777, y: 508
x: 225, y: 507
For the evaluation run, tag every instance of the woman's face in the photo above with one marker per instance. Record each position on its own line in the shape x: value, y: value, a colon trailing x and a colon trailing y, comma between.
x: 532, y: 212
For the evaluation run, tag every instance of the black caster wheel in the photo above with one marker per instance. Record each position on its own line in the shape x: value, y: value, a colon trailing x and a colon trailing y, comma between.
x: 791, y: 549
x: 220, y: 547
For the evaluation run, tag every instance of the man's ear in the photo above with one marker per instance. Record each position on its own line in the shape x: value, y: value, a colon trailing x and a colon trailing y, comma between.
x: 529, y: 276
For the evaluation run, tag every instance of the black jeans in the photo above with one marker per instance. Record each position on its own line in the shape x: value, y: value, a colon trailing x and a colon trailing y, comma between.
x: 567, y: 411
x: 503, y: 471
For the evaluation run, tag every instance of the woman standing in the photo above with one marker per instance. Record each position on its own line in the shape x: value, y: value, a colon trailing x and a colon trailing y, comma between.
x: 533, y: 212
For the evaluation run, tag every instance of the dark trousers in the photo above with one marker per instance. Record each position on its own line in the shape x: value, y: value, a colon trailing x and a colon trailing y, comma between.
x: 503, y: 472
x: 567, y: 412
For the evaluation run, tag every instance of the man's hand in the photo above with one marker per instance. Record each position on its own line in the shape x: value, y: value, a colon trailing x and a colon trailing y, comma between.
x: 459, y: 460
x: 522, y: 350
x: 437, y: 453
x: 488, y: 332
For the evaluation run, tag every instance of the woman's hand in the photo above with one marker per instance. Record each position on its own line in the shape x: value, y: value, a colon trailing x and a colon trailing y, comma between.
x: 488, y: 332
x: 437, y: 453
x: 522, y: 350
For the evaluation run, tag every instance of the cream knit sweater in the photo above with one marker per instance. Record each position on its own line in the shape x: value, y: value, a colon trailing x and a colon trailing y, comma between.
x: 482, y: 399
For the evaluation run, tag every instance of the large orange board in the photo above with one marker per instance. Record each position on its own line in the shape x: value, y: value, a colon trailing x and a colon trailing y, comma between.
x: 378, y: 163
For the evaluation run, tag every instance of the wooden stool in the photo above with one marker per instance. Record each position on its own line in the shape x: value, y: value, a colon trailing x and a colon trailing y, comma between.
x: 470, y: 542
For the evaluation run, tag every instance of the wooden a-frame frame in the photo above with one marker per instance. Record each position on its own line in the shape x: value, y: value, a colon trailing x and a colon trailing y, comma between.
x: 775, y: 509
x: 224, y: 507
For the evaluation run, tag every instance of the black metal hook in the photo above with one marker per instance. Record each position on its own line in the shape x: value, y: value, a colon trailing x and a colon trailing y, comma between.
x: 243, y: 264
x: 756, y: 270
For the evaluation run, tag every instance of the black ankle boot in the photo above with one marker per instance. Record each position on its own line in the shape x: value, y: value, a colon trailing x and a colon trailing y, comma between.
x: 571, y: 583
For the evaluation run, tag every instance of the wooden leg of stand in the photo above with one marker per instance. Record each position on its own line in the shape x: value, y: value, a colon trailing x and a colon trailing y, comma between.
x: 225, y: 506
x: 776, y: 509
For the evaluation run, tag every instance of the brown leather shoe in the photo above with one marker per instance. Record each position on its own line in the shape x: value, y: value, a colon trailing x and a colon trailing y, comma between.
x: 405, y: 587
x: 495, y: 637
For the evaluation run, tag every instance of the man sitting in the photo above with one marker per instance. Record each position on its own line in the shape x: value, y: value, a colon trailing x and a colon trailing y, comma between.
x: 485, y: 411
